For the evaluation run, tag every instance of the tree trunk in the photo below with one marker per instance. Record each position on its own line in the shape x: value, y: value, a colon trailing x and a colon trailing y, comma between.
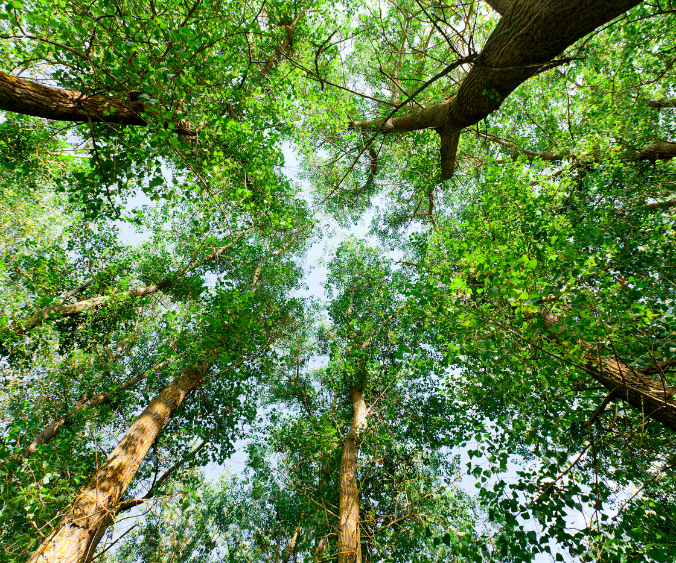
x: 500, y: 6
x: 292, y: 545
x: 73, y: 538
x: 654, y: 399
x: 29, y: 98
x: 59, y: 310
x: 349, y: 544
x: 529, y: 36
x: 51, y: 430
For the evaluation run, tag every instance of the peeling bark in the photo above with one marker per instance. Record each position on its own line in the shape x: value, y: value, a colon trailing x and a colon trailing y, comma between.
x: 73, y: 539
x: 22, y: 96
x: 349, y: 543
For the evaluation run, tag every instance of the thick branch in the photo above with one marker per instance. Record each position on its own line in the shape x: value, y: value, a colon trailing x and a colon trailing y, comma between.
x: 663, y: 103
x: 282, y: 49
x: 58, y: 310
x: 22, y: 96
x: 531, y: 34
x: 660, y: 150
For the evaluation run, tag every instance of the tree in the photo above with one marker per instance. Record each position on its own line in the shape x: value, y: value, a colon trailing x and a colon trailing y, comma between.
x: 528, y: 323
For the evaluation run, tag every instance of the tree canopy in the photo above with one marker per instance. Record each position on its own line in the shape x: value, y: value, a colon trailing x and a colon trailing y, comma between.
x: 446, y: 334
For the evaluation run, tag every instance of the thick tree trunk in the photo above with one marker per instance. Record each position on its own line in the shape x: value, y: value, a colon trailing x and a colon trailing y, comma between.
x: 19, y: 95
x: 73, y: 539
x: 51, y: 430
x: 349, y: 544
x: 500, y: 6
x: 654, y: 399
x: 529, y: 35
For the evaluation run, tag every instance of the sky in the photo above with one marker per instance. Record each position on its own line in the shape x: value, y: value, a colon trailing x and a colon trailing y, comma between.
x: 314, y: 279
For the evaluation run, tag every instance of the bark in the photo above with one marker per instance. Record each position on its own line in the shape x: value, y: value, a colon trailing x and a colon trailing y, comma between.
x: 654, y: 399
x: 51, y: 430
x: 30, y: 98
x: 349, y: 544
x: 526, y: 39
x: 660, y: 150
x: 663, y: 103
x: 500, y: 6
x: 292, y: 545
x: 281, y: 50
x: 662, y: 204
x: 73, y: 539
x: 59, y: 310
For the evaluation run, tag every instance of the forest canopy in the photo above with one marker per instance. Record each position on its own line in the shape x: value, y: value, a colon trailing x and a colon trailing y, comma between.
x: 373, y: 281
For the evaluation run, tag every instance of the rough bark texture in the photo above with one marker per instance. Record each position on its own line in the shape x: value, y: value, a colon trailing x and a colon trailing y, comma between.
x: 349, y: 544
x: 662, y: 150
x: 51, y: 430
x: 449, y: 149
x: 500, y: 6
x: 529, y: 35
x: 654, y: 399
x: 30, y: 98
x: 73, y: 539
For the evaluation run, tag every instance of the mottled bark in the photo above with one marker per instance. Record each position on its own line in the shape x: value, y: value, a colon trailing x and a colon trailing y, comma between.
x: 73, y: 539
x: 19, y: 95
x: 527, y: 38
x: 349, y: 543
